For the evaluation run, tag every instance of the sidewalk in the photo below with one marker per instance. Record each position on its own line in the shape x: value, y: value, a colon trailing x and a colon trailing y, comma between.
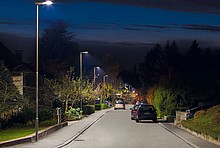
x: 192, y: 140
x: 67, y: 134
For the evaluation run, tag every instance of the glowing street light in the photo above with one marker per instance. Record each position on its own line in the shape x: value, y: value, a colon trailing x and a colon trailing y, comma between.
x: 37, y: 46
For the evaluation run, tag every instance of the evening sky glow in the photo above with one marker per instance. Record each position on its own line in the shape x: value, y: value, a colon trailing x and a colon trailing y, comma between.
x: 122, y: 22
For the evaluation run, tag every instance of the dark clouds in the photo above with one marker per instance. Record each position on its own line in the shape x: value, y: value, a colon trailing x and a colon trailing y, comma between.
x: 206, y: 6
x: 201, y: 27
x: 143, y: 27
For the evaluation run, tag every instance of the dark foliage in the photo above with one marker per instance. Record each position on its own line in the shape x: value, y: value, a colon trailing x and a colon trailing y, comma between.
x: 181, y: 81
x: 98, y: 107
x: 88, y: 109
x: 58, y: 51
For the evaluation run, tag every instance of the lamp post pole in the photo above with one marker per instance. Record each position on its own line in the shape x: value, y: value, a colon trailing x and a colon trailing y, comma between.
x: 81, y: 75
x: 94, y: 75
x: 104, y: 79
x: 37, y: 48
x: 36, y: 121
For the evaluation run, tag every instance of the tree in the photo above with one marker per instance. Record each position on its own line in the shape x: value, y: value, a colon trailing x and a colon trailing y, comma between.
x: 152, y: 67
x: 194, y: 49
x: 112, y: 69
x: 67, y: 89
x: 58, y: 51
x: 10, y: 99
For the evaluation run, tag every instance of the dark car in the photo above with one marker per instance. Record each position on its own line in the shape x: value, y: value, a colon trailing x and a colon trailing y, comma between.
x: 145, y: 112
x: 190, y: 112
x: 133, y: 111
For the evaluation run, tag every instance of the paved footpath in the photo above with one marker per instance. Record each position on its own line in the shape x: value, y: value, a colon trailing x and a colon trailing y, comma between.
x: 69, y: 133
x: 187, y: 137
x: 65, y: 135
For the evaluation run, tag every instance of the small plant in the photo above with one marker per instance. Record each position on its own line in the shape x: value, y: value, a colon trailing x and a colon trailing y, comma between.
x: 74, y: 113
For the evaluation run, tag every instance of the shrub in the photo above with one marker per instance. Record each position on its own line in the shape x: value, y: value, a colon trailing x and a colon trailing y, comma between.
x: 47, y: 123
x: 45, y: 114
x: 25, y: 116
x: 88, y: 109
x: 98, y: 107
x: 104, y: 106
x: 74, y: 113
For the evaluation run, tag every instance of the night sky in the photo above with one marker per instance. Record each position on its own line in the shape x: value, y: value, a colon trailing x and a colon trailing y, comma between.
x: 129, y: 27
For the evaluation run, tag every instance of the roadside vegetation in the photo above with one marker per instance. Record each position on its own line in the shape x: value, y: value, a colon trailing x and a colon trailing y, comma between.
x: 14, y: 133
x: 206, y: 122
x: 59, y: 87
x: 176, y: 80
x: 170, y: 80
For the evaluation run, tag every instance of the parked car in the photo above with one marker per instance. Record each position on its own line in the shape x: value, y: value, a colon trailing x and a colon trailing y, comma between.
x: 119, y: 104
x: 133, y: 111
x: 190, y: 112
x: 145, y: 112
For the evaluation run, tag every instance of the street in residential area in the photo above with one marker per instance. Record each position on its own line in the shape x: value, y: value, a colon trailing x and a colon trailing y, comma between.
x: 115, y: 129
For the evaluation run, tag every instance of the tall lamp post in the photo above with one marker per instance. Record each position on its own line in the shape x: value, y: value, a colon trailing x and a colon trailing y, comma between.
x: 104, y: 79
x: 37, y: 46
x: 81, y: 74
x: 94, y: 75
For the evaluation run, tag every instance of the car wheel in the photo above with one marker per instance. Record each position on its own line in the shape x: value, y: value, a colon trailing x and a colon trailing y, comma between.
x: 137, y: 120
x: 132, y: 118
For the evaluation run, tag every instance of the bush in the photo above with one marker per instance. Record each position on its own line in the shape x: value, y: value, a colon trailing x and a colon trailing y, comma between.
x: 98, y: 107
x: 26, y: 116
x: 104, y: 106
x: 45, y: 114
x: 47, y: 123
x: 88, y: 109
x: 74, y: 114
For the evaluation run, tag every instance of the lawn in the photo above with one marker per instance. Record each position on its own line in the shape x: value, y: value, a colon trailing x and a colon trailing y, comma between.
x: 14, y: 133
x: 206, y: 122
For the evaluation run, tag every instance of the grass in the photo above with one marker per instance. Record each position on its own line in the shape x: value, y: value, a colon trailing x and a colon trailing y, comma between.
x: 206, y: 122
x: 14, y: 133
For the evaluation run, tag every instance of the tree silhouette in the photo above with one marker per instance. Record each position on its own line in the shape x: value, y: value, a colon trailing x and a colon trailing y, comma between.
x: 152, y: 67
x: 58, y: 51
x: 194, y: 49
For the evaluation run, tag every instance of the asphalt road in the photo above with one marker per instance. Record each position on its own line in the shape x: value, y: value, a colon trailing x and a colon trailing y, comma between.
x: 116, y: 130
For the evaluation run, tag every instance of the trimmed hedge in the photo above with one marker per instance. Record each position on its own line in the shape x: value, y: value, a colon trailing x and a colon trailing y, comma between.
x: 98, y: 107
x: 88, y: 109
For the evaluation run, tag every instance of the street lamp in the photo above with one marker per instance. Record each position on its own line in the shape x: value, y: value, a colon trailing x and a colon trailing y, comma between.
x: 104, y: 79
x: 81, y: 74
x: 94, y: 75
x: 37, y: 46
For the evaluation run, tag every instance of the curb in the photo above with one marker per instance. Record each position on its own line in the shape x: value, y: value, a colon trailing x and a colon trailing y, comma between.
x: 31, y: 138
x: 180, y: 137
x: 80, y: 132
x: 202, y: 136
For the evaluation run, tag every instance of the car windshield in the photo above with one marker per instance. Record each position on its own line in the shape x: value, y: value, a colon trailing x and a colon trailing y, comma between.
x: 147, y: 108
x: 119, y: 102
